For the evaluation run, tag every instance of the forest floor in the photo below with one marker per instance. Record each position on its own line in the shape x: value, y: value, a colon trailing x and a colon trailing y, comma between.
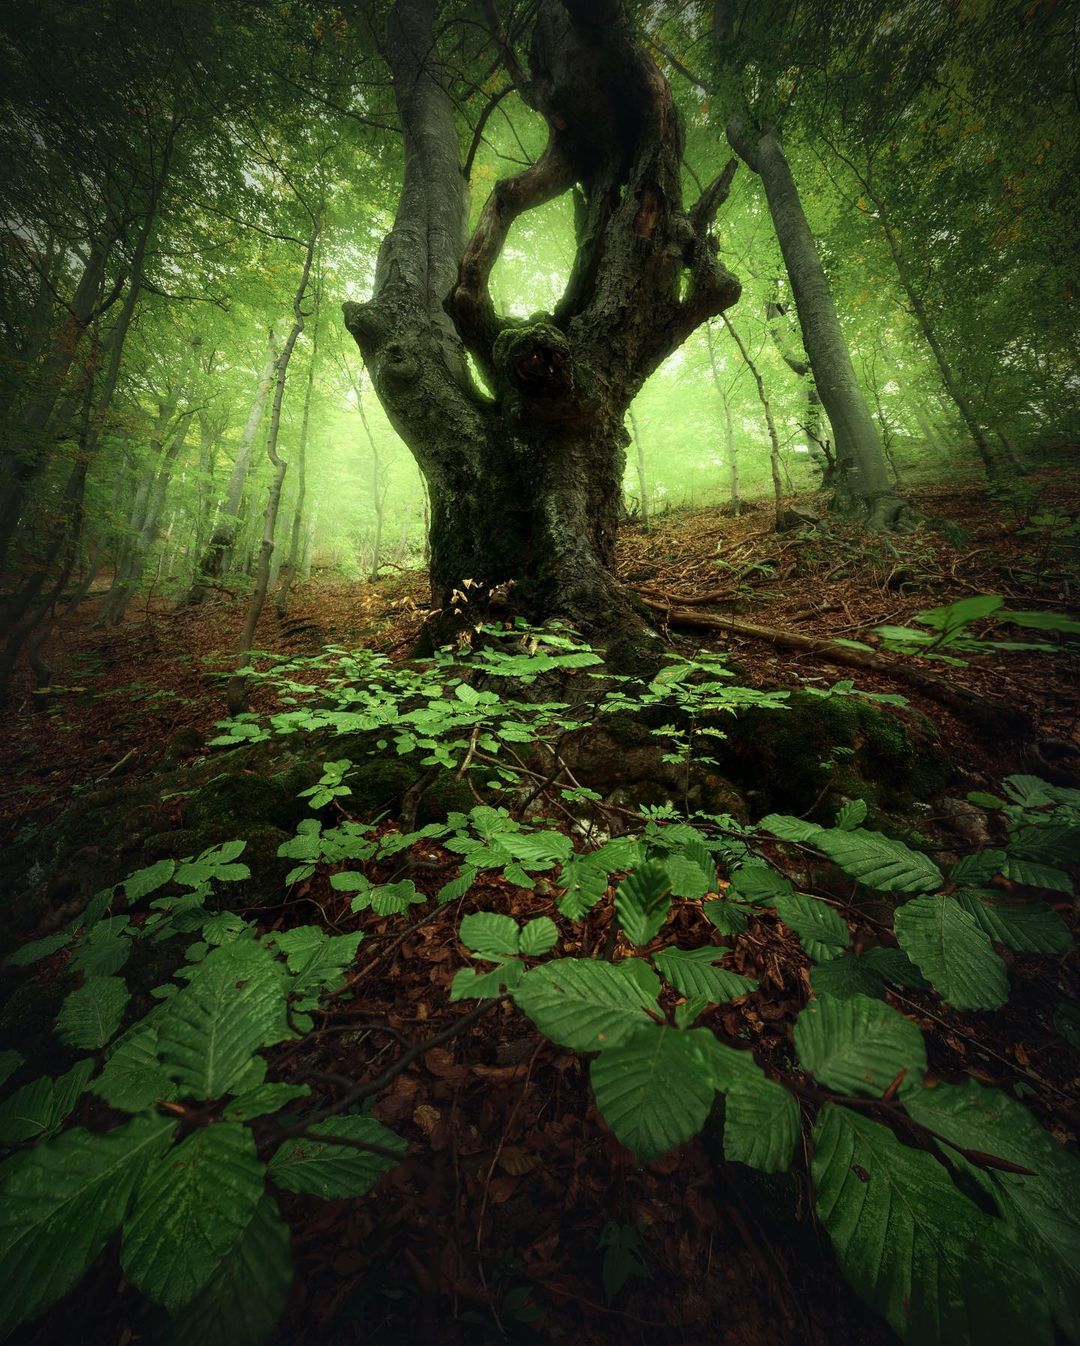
x: 118, y: 696
x: 503, y: 1219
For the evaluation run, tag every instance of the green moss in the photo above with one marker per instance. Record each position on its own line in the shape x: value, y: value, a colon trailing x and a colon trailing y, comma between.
x: 239, y: 801
x: 378, y: 785
x: 444, y: 795
x: 790, y: 759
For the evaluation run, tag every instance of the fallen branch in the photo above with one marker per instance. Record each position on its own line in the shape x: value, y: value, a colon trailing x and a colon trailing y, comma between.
x: 996, y: 715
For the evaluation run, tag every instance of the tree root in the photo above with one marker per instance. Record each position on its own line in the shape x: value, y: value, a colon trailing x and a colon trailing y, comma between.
x: 994, y: 715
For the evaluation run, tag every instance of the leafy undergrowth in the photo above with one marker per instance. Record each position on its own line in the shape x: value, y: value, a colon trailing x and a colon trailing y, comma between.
x: 553, y: 1066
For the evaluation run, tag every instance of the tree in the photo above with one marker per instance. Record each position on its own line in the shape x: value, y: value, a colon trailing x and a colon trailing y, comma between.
x: 525, y: 484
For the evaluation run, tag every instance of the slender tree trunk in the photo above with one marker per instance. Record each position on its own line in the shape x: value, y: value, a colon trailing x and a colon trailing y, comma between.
x: 378, y: 491
x: 309, y: 542
x: 129, y: 577
x: 215, y: 559
x: 237, y: 687
x: 301, y: 484
x: 763, y: 397
x: 863, y: 480
x: 729, y: 429
x: 926, y: 326
x: 643, y: 487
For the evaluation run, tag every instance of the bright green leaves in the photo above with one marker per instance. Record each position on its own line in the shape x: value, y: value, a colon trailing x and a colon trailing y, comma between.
x: 859, y: 1046
x: 643, y: 901
x: 694, y: 974
x: 651, y: 1090
x: 233, y: 1006
x: 498, y: 939
x: 316, y: 960
x: 583, y: 1004
x: 243, y: 1299
x: 875, y: 860
x: 91, y: 1015
x: 133, y: 1077
x: 913, y: 1246
x: 822, y: 932
x: 952, y: 950
x: 192, y: 1210
x: 1028, y: 927
x: 59, y: 1206
x: 321, y: 1168
x: 1041, y: 1207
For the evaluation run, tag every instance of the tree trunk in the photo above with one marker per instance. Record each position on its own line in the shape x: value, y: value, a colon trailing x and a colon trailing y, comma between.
x: 285, y: 590
x: 527, y: 488
x: 926, y: 326
x: 236, y: 693
x: 643, y: 487
x: 215, y: 559
x: 863, y: 477
x: 729, y: 428
x: 763, y: 397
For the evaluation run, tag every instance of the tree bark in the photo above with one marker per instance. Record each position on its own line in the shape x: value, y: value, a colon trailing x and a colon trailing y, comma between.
x: 643, y: 485
x: 215, y: 559
x: 863, y: 478
x: 289, y: 579
x: 763, y: 398
x: 526, y: 487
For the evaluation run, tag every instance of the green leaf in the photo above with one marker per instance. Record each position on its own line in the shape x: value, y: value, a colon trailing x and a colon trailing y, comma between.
x: 316, y: 960
x: 38, y: 949
x: 191, y: 1211
x: 880, y: 862
x: 727, y: 917
x: 1028, y: 927
x: 392, y: 899
x: 859, y: 1046
x: 643, y: 901
x: 148, y: 880
x: 241, y: 1302
x: 688, y: 878
x: 91, y: 1015
x: 760, y: 884
x: 952, y: 951
x: 864, y: 974
x: 914, y: 1247
x: 585, y: 880
x: 851, y: 814
x: 1043, y: 1208
x: 490, y: 935
x: 538, y: 937
x: 331, y: 1171
x: 651, y: 1090
x: 693, y: 974
x: 978, y: 868
x: 59, y: 1206
x: 133, y: 1077
x: 822, y: 932
x: 40, y: 1106
x: 233, y: 1006
x: 1035, y: 874
x: 761, y: 1117
x: 583, y: 1004
x: 263, y: 1100
x: 471, y: 985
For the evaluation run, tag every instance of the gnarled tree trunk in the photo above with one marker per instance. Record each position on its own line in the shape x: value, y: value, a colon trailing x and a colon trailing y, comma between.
x: 526, y: 486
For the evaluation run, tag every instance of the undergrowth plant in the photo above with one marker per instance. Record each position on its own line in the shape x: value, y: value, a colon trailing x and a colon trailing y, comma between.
x: 951, y: 1209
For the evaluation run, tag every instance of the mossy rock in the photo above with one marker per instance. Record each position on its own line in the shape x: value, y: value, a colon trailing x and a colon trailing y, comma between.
x: 822, y: 748
x: 446, y: 794
x: 239, y: 801
x: 377, y: 786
